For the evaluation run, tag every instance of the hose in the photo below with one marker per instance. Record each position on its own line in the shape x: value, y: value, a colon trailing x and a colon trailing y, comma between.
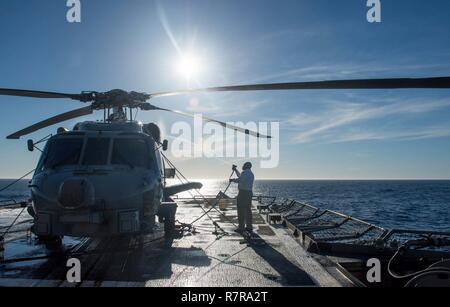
x: 218, y: 201
x: 424, y: 274
x: 203, y: 197
x: 431, y: 268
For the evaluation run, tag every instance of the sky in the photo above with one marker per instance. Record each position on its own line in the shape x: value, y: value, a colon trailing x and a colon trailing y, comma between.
x: 138, y: 45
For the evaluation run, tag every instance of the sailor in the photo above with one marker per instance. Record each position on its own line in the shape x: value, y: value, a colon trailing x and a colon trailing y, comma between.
x: 244, y: 199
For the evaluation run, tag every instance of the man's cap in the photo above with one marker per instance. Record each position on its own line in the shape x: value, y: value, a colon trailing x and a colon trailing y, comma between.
x: 247, y: 165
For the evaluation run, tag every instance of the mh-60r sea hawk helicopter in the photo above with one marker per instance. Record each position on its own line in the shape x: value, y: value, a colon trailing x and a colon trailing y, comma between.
x: 107, y: 178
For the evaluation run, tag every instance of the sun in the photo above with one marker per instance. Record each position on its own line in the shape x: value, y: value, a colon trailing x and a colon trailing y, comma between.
x: 189, y: 66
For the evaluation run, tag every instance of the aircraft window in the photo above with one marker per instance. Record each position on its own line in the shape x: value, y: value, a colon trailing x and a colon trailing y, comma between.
x: 131, y: 152
x: 63, y: 151
x: 96, y: 152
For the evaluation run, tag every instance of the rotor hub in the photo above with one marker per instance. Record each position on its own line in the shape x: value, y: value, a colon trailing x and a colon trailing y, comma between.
x: 118, y: 98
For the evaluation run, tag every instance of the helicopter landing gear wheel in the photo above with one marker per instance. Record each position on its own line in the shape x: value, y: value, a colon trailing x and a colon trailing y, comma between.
x: 167, y: 213
x: 169, y: 226
x: 169, y: 231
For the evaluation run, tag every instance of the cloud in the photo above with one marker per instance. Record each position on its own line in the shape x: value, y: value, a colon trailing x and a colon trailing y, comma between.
x: 351, y: 113
x: 303, y: 119
x: 224, y: 108
x: 350, y: 70
x: 421, y: 134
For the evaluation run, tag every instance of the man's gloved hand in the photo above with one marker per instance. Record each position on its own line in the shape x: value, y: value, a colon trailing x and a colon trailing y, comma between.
x: 234, y: 167
x: 232, y: 180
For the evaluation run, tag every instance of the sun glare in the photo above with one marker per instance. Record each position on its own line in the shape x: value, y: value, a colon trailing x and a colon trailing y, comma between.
x: 189, y: 66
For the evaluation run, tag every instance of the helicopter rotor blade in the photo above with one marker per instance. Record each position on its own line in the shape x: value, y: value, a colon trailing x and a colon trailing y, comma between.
x: 40, y: 94
x: 403, y: 83
x: 223, y: 124
x: 51, y: 121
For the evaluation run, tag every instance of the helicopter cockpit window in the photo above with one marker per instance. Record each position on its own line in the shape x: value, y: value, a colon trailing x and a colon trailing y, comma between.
x: 62, y: 152
x: 96, y: 152
x: 131, y: 152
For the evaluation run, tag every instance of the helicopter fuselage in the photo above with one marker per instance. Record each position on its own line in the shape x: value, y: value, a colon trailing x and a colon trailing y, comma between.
x: 101, y: 179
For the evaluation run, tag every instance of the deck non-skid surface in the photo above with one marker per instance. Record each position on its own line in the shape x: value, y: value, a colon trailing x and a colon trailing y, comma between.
x: 201, y: 259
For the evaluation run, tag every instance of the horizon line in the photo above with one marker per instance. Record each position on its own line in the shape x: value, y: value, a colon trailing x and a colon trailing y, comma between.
x: 337, y: 179
x: 307, y: 179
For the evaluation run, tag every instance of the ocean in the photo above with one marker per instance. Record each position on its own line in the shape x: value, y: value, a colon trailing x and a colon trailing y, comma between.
x: 390, y: 204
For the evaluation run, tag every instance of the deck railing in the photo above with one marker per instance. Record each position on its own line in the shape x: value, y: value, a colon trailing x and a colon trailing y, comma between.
x: 323, y: 230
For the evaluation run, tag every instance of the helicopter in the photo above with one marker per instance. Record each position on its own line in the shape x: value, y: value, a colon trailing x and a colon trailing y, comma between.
x: 108, y: 178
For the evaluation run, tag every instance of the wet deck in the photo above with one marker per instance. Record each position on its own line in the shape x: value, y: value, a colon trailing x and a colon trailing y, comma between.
x: 201, y: 259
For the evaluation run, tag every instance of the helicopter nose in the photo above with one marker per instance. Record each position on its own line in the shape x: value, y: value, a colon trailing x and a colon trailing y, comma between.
x: 76, y: 193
